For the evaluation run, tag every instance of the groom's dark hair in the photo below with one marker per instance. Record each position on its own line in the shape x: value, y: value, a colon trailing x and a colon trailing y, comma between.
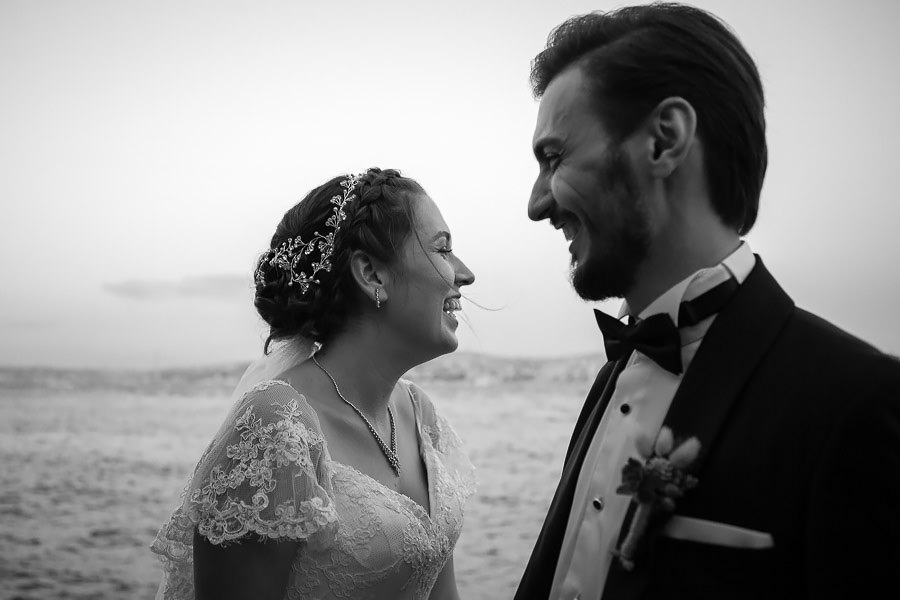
x: 637, y: 56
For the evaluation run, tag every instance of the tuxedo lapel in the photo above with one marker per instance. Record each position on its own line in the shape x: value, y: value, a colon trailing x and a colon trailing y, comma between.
x: 736, y: 342
x: 538, y: 576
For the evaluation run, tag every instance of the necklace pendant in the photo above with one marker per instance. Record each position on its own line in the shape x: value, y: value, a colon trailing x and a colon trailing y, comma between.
x: 395, y: 463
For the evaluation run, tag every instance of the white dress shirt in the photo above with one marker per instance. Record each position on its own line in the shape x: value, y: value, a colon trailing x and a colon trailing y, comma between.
x: 640, y: 402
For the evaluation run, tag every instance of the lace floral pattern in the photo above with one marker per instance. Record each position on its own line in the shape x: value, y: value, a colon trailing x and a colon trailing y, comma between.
x: 285, y: 443
x: 361, y: 539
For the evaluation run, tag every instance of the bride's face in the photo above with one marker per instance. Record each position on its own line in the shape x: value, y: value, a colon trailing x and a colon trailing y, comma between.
x: 426, y: 292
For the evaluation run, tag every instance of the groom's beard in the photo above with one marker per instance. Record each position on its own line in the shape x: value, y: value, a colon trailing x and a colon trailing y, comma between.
x: 616, y: 251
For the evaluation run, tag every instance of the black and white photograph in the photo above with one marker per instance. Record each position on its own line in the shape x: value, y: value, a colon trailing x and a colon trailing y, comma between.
x: 473, y: 300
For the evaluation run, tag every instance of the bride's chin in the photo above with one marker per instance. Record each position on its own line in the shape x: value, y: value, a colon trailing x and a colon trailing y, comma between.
x: 451, y: 343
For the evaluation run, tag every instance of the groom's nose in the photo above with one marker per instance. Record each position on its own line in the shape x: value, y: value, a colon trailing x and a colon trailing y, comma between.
x: 541, y: 201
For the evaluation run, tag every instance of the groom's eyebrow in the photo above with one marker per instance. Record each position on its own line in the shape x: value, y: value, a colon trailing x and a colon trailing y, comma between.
x: 540, y: 146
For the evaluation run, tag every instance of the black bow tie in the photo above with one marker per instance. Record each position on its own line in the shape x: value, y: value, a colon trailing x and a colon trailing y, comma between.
x: 657, y: 336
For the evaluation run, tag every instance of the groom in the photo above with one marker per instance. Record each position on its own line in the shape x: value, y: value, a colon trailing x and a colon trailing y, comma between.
x: 650, y: 139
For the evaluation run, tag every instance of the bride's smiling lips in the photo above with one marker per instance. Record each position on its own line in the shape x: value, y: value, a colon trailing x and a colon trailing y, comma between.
x: 451, y: 305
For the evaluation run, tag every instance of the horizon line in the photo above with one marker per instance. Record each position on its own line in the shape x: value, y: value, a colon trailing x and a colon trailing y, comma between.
x: 239, y: 364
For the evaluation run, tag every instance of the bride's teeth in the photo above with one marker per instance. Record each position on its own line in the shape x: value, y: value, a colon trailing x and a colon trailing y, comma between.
x: 451, y: 306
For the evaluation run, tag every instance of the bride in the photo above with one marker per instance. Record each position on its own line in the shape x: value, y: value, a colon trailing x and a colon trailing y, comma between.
x: 332, y: 477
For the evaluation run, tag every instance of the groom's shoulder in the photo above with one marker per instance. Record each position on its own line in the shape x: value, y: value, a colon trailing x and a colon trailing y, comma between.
x: 831, y: 346
x: 807, y: 338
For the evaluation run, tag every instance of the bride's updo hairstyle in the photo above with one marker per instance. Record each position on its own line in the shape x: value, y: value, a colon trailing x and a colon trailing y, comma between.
x: 377, y: 222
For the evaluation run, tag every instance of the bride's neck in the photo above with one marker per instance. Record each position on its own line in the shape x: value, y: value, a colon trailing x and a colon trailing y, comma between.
x: 364, y: 371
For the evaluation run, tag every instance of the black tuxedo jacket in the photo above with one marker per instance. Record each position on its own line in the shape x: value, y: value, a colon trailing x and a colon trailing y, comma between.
x: 800, y: 427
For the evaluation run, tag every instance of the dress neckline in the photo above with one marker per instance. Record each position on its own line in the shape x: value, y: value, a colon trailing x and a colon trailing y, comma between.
x: 423, y: 454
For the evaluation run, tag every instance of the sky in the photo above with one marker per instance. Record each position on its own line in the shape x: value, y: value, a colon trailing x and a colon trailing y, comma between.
x: 148, y: 150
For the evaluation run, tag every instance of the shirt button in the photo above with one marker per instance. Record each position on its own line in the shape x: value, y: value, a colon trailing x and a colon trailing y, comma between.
x: 598, y: 503
x: 625, y: 409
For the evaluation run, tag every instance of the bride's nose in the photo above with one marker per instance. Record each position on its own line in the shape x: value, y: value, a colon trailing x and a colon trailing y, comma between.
x: 463, y: 275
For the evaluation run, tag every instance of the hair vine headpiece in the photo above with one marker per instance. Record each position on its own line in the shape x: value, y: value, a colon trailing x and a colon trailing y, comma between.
x: 288, y: 254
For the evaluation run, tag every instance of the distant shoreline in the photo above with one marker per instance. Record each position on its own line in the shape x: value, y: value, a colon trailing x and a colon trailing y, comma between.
x: 462, y: 368
x: 239, y: 365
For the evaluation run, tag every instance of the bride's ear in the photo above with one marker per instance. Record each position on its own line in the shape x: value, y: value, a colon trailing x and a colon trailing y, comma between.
x: 370, y: 274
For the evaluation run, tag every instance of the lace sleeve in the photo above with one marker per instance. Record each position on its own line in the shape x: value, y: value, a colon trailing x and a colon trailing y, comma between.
x: 447, y: 443
x: 267, y: 475
x: 265, y: 472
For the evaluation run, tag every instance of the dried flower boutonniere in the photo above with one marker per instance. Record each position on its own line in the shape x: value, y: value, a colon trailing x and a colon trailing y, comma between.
x: 656, y: 483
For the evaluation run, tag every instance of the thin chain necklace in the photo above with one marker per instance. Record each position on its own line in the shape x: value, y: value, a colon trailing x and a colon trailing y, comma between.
x: 389, y: 453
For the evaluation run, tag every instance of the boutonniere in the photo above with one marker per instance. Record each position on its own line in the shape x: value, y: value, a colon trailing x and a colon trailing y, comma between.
x: 655, y: 482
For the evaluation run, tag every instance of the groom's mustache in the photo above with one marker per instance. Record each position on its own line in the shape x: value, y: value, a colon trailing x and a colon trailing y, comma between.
x: 558, y: 217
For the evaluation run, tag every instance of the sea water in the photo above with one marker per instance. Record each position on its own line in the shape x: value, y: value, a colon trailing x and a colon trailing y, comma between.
x: 90, y: 471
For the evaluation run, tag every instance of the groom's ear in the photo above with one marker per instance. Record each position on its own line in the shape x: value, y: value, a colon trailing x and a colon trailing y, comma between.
x: 671, y: 129
x: 369, y: 274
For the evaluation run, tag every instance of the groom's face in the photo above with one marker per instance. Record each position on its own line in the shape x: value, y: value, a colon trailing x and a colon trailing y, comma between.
x: 587, y: 187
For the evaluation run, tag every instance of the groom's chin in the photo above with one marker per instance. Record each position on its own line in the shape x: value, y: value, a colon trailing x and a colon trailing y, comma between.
x: 596, y: 282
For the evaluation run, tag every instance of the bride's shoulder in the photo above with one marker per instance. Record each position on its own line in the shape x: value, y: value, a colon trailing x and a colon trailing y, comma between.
x: 444, y: 439
x: 262, y: 387
x: 420, y: 398
x: 268, y: 390
x: 429, y: 413
x: 276, y: 398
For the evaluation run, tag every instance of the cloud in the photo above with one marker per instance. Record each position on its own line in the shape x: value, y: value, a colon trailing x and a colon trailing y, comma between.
x: 224, y: 287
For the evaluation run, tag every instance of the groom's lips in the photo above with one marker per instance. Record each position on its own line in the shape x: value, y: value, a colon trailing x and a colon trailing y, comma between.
x: 569, y: 230
x: 569, y: 227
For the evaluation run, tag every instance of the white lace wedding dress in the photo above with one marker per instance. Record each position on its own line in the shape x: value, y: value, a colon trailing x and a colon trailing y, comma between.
x: 268, y: 472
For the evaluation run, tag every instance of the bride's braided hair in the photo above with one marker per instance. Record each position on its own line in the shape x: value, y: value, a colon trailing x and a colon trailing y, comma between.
x: 378, y: 221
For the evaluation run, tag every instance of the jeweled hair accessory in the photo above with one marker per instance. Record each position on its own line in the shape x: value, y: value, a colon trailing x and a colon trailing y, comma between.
x: 288, y: 255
